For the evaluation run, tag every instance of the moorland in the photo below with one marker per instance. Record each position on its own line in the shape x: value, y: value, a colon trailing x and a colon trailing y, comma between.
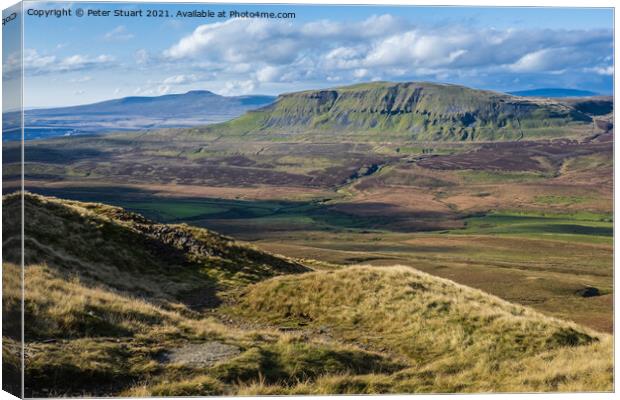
x: 467, y: 222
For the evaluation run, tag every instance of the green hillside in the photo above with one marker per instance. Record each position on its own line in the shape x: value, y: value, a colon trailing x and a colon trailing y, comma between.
x: 413, y: 110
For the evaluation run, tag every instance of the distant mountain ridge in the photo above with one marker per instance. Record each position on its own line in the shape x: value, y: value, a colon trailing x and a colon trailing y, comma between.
x: 198, y: 107
x: 193, y: 102
x: 553, y: 92
x: 414, y: 110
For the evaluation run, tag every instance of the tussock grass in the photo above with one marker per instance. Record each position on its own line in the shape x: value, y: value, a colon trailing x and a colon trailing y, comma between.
x: 325, y: 385
x: 288, y: 362
x: 59, y: 308
x: 84, y: 340
x: 468, y: 341
x: 125, y: 251
x: 199, y: 386
x: 456, y: 338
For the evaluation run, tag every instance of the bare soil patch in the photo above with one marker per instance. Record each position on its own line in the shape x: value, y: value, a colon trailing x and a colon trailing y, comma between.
x: 200, y: 354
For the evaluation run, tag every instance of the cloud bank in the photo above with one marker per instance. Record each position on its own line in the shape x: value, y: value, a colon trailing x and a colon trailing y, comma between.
x: 35, y: 63
x: 387, y: 47
x: 240, y: 56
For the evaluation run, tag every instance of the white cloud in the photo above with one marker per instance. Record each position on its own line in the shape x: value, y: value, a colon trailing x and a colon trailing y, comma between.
x: 240, y: 68
x: 361, y: 73
x: 608, y: 70
x: 344, y: 57
x: 33, y: 60
x: 382, y: 25
x: 551, y: 60
x: 534, y: 61
x: 240, y: 56
x: 232, y: 88
x: 35, y: 63
x: 119, y: 33
x: 268, y: 74
x: 239, y: 41
x: 180, y: 79
x: 322, y: 28
x: 142, y: 56
x: 274, y: 42
x: 386, y: 46
x: 77, y: 62
x: 419, y: 49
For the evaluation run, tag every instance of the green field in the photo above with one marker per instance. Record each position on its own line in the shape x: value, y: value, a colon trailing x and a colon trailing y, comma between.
x: 590, y: 227
x: 199, y: 211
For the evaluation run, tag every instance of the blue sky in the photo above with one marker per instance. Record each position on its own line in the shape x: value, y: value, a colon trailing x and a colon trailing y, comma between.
x: 73, y: 60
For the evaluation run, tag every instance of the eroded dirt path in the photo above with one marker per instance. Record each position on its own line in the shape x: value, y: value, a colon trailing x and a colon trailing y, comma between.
x: 200, y: 354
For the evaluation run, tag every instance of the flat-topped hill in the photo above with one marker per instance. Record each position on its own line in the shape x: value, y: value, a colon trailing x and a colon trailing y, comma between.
x: 413, y: 110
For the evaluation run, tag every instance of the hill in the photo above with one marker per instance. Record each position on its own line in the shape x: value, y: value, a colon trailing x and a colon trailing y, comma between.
x: 414, y: 111
x: 99, y: 276
x: 553, y: 92
x: 198, y: 107
x: 118, y: 305
x: 111, y: 246
x: 451, y: 337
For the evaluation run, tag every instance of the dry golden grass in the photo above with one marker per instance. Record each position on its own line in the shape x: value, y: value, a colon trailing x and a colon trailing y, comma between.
x: 456, y: 338
x: 60, y: 308
x: 86, y: 340
x: 425, y: 334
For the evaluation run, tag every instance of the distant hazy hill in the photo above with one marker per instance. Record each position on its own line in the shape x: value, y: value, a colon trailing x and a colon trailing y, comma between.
x: 134, y: 113
x: 414, y: 110
x: 553, y: 92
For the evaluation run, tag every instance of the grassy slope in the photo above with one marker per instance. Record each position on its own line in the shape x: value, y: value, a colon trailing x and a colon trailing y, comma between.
x: 104, y: 302
x: 109, y: 245
x: 93, y: 341
x: 454, y: 338
x: 414, y: 110
x: 102, y: 310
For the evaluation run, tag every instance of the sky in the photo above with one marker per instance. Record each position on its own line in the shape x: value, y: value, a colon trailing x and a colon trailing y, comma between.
x: 11, y: 45
x: 77, y: 60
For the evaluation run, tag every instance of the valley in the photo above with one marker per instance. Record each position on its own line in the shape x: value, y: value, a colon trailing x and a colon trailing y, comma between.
x: 442, y: 211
